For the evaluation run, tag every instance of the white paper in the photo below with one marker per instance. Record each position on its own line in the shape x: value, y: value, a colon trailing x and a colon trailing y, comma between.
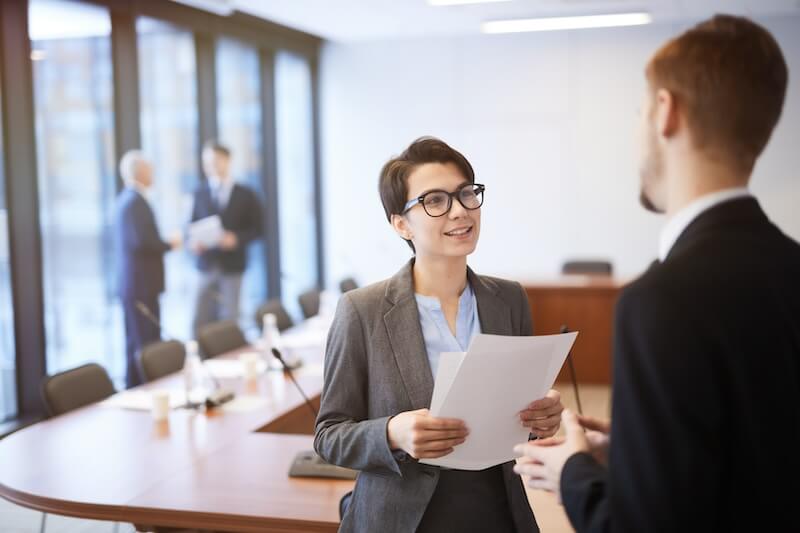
x: 495, y: 380
x: 449, y: 362
x: 207, y: 231
x: 142, y: 400
x: 231, y: 368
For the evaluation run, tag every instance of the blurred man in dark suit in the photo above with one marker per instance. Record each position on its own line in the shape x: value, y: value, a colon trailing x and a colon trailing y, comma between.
x: 705, y: 426
x: 221, y: 266
x: 140, y: 259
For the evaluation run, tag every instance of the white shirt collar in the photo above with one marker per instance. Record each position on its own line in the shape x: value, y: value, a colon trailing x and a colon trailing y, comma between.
x: 220, y: 190
x: 145, y: 192
x: 681, y: 220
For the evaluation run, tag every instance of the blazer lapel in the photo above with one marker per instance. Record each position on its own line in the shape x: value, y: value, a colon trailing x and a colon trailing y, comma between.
x: 405, y: 337
x: 493, y: 312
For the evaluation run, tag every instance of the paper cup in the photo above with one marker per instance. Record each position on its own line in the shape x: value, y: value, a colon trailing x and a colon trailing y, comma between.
x: 249, y: 362
x: 160, y: 409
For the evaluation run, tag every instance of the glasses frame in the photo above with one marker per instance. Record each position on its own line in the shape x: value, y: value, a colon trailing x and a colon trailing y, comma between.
x: 479, y: 190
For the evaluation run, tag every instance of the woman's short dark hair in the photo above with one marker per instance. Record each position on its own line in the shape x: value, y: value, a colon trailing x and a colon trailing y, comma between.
x: 393, y: 183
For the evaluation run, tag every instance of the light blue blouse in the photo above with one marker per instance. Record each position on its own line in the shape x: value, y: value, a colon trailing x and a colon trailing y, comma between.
x: 435, y: 331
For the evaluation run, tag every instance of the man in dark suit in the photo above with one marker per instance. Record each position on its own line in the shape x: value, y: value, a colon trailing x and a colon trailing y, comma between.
x: 706, y: 395
x: 140, y: 259
x: 221, y: 266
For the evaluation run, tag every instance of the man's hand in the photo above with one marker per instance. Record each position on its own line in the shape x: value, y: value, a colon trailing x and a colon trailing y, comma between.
x: 542, y: 461
x: 423, y: 436
x: 544, y: 415
x: 598, y: 433
x: 175, y: 240
x: 228, y: 241
x: 197, y: 248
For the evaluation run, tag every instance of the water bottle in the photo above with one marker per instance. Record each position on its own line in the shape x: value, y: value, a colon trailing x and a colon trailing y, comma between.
x: 270, y: 338
x: 193, y: 375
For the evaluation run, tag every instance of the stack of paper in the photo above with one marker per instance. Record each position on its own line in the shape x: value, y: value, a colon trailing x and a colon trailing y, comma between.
x: 206, y: 232
x: 488, y: 386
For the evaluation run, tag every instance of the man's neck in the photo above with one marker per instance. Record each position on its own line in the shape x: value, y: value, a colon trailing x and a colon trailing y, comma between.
x: 693, y: 178
x: 139, y: 187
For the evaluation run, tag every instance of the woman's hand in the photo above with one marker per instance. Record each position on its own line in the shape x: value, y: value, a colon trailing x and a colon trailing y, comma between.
x: 423, y: 436
x: 543, y: 416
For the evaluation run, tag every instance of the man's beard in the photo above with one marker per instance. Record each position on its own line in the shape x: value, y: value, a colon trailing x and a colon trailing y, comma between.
x: 646, y: 203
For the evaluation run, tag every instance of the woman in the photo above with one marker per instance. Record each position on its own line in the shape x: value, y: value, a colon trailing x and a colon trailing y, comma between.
x: 383, y: 351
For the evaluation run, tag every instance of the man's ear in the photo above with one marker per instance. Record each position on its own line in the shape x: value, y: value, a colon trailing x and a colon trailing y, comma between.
x: 668, y: 116
x: 400, y: 225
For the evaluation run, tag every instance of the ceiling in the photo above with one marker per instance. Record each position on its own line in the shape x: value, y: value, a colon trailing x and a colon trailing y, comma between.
x: 364, y: 20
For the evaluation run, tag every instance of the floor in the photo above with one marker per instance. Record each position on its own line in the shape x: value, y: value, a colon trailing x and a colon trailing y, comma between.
x: 16, y: 519
x: 595, y: 400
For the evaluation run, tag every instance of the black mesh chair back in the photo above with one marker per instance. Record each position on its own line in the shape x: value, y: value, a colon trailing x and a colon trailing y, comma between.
x: 347, y: 284
x: 75, y: 388
x: 587, y: 267
x: 161, y: 358
x: 309, y: 303
x: 220, y: 337
x: 274, y: 306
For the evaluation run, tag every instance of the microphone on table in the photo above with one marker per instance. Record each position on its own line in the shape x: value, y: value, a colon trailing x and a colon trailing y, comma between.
x: 216, y: 397
x: 573, y: 376
x: 307, y: 463
x: 288, y: 370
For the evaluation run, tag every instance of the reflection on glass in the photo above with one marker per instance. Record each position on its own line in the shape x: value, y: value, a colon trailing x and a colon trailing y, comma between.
x: 297, y: 216
x: 239, y: 123
x: 8, y: 393
x: 72, y: 78
x: 168, y: 100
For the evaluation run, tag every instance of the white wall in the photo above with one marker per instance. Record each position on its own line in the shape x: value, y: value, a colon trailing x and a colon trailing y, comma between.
x: 548, y: 121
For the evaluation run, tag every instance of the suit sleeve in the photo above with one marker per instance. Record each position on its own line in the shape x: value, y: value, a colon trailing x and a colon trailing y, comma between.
x: 253, y: 224
x: 666, y: 422
x: 141, y: 234
x: 344, y: 434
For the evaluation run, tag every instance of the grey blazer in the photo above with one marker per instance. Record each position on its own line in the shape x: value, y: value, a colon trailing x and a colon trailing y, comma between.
x: 376, y: 366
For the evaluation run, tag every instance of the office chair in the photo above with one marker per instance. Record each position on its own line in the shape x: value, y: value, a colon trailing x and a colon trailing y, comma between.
x: 587, y: 267
x: 309, y: 302
x: 71, y: 389
x: 347, y: 284
x: 220, y: 337
x: 275, y: 307
x: 160, y: 358
x: 75, y: 388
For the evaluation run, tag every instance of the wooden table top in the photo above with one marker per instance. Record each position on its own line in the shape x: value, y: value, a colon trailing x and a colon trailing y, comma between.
x: 222, y: 469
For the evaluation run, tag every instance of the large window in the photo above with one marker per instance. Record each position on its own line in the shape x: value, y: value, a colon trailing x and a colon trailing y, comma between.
x: 8, y: 404
x: 295, y: 140
x: 239, y: 124
x: 72, y: 78
x: 168, y: 96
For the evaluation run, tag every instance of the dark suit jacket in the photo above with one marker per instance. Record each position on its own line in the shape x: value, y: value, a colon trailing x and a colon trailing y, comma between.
x: 139, y: 248
x: 706, y: 396
x: 376, y: 366
x: 242, y: 216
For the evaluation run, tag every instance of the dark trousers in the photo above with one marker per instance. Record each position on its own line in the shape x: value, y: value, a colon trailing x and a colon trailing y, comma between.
x: 139, y: 332
x: 469, y: 502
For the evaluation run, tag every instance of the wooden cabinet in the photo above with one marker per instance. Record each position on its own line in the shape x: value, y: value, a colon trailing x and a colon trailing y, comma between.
x: 584, y: 304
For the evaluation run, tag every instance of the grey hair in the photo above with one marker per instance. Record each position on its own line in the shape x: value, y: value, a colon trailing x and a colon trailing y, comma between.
x: 129, y: 163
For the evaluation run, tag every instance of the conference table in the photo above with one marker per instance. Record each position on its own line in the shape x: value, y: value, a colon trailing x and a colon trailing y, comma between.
x: 225, y: 469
